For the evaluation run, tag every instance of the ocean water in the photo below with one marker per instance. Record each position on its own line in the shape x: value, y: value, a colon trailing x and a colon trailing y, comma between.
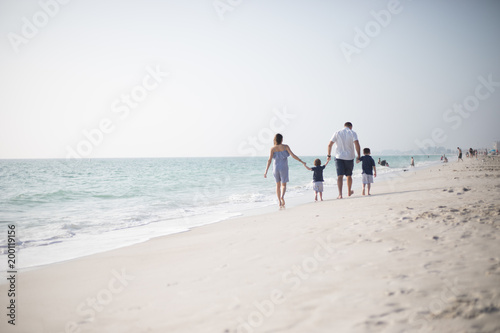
x: 64, y: 209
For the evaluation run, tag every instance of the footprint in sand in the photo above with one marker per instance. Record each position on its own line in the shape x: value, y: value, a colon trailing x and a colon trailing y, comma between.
x: 396, y: 249
x: 466, y: 234
x: 426, y: 215
x: 434, y: 266
x: 494, y: 269
x: 374, y: 325
x: 468, y: 307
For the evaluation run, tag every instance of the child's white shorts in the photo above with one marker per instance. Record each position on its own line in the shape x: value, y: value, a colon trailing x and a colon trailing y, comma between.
x: 367, y: 179
x: 318, y: 186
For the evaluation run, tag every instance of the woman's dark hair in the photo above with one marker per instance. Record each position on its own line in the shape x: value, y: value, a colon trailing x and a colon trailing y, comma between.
x: 278, y: 139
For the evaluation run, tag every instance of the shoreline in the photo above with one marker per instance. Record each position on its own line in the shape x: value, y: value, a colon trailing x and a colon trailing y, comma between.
x: 292, y: 202
x: 420, y: 254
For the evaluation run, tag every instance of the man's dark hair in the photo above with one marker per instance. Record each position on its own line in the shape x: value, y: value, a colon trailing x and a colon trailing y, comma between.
x: 348, y: 124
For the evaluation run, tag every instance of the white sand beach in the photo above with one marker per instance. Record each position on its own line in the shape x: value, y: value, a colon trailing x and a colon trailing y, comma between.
x: 421, y: 254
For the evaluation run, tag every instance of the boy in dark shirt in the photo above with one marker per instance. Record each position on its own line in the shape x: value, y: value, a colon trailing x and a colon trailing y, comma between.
x: 369, y: 170
x: 317, y: 178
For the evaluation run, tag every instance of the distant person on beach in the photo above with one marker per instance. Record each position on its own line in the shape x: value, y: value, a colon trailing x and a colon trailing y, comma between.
x: 369, y: 170
x: 279, y: 153
x: 412, y: 163
x: 383, y: 162
x: 347, y: 142
x: 317, y: 178
x: 459, y: 154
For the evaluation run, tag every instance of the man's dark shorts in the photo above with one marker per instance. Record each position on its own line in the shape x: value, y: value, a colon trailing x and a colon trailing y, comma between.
x: 344, y: 167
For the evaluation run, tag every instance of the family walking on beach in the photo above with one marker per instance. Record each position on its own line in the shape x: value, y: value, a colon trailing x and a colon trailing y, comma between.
x: 347, y: 148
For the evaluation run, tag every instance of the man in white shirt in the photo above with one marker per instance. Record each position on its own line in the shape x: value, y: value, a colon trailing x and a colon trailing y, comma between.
x: 346, y: 140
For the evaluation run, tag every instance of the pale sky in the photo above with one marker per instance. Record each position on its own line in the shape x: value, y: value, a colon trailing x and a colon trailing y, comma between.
x: 403, y: 72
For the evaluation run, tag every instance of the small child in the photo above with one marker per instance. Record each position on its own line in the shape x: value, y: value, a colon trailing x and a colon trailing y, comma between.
x: 369, y: 170
x: 317, y: 178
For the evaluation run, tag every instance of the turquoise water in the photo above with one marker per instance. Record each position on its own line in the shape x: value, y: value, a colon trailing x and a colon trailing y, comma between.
x: 70, y: 208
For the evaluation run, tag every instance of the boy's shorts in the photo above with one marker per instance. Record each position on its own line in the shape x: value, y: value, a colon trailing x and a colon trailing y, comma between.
x: 318, y: 186
x: 367, y: 179
x: 344, y: 167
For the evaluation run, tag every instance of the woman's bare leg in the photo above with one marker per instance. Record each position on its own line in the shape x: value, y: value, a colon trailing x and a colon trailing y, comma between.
x: 283, y: 185
x: 278, y: 193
